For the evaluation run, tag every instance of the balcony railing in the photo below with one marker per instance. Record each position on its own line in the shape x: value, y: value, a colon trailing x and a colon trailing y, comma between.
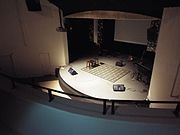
x: 104, y: 101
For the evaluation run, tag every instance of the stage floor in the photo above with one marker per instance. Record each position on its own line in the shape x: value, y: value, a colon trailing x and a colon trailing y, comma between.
x: 98, y: 81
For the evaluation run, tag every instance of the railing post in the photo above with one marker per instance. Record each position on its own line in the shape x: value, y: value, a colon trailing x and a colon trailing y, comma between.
x: 176, y: 111
x: 50, y: 95
x: 147, y: 102
x: 13, y: 84
x: 112, y: 107
x: 57, y: 72
x: 104, y: 107
x: 33, y: 83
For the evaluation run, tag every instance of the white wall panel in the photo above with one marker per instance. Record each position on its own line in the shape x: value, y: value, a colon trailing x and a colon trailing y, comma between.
x: 26, y: 34
x: 167, y: 58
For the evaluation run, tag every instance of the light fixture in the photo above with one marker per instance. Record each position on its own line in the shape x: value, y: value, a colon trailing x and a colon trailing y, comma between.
x: 61, y: 28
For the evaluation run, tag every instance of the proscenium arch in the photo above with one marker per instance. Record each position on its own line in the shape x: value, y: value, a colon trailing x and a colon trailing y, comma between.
x: 113, y: 15
x: 153, y: 8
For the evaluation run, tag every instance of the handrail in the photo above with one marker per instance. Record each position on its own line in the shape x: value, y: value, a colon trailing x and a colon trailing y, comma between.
x: 146, y: 102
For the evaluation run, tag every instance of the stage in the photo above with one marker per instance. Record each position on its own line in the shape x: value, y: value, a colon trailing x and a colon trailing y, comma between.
x: 98, y: 81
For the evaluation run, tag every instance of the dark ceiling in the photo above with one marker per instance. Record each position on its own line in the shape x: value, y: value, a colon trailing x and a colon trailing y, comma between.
x: 145, y: 7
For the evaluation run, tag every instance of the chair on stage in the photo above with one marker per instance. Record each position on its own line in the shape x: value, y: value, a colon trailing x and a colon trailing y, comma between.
x: 92, y: 63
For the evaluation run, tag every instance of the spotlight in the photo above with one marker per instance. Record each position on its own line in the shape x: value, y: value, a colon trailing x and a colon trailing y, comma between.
x: 61, y: 29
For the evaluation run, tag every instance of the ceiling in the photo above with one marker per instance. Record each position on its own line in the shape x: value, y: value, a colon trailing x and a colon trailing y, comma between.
x: 152, y: 8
